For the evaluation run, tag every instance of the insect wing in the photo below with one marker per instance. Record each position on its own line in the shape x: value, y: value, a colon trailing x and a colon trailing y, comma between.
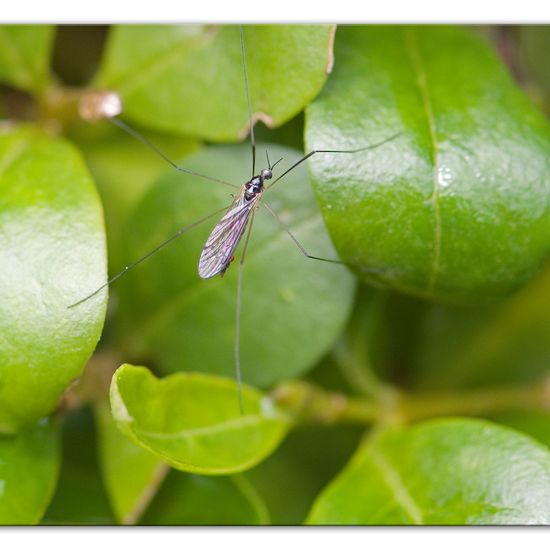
x: 224, y: 239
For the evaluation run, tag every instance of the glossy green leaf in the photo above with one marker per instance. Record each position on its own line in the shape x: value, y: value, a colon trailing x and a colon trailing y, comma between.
x: 188, y: 79
x: 193, y: 421
x: 29, y: 466
x: 457, y: 207
x: 499, y: 344
x: 448, y: 471
x: 25, y: 55
x: 52, y: 254
x: 186, y: 499
x: 290, y: 479
x: 169, y: 314
x: 132, y: 475
x: 80, y: 497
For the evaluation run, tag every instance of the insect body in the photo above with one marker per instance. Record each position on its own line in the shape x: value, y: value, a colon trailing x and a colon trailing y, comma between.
x: 218, y: 251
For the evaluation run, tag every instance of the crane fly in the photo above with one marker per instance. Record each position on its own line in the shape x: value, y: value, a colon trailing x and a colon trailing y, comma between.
x: 219, y: 250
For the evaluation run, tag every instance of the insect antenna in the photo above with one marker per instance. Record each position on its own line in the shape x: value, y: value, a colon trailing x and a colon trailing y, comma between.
x: 238, y: 317
x: 276, y: 163
x: 346, y: 151
x: 249, y: 106
x: 147, y: 256
x: 269, y: 164
x: 134, y: 133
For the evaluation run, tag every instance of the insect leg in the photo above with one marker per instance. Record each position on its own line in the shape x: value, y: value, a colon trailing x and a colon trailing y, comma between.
x: 348, y: 151
x: 250, y: 121
x: 238, y: 317
x: 134, y: 133
x: 148, y: 255
x: 303, y: 249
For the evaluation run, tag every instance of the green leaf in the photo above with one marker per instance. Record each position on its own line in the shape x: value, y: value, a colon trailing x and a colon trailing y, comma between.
x: 25, y: 55
x: 52, y: 254
x: 142, y: 487
x: 188, y: 79
x: 499, y: 344
x: 186, y: 499
x: 80, y: 498
x: 291, y: 478
x: 457, y: 207
x: 169, y: 314
x: 131, y: 474
x: 447, y: 471
x: 193, y: 422
x: 29, y: 465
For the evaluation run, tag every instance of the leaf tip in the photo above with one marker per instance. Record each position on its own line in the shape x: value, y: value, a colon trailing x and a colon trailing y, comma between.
x: 330, y: 57
x: 259, y: 115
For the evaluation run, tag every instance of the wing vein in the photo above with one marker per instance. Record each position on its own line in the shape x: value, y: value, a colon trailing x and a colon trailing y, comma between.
x: 225, y: 237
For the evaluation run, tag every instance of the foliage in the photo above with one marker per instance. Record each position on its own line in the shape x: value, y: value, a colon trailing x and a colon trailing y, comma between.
x: 357, y: 378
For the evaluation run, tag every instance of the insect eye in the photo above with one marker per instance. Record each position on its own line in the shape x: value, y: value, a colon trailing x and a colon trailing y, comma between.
x: 266, y: 174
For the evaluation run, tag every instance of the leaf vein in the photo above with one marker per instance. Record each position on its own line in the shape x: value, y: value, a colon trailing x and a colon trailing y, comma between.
x: 394, y: 481
x: 228, y: 425
x: 422, y: 84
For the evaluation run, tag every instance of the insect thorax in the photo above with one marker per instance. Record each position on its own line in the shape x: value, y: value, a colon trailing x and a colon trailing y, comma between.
x: 256, y: 185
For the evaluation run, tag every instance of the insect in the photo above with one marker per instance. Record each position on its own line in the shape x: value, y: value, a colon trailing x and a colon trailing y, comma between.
x: 237, y: 220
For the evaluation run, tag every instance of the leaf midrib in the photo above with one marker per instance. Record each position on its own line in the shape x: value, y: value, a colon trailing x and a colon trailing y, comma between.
x: 411, y: 47
x: 214, y: 430
x: 398, y: 489
x: 232, y: 424
x: 13, y: 153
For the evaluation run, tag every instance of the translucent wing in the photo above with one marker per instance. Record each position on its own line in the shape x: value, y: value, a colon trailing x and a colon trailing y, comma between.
x: 225, y: 237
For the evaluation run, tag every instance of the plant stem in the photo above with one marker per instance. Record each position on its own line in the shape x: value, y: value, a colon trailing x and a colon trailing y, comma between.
x: 352, y: 352
x: 534, y: 397
x: 310, y: 404
x: 58, y: 108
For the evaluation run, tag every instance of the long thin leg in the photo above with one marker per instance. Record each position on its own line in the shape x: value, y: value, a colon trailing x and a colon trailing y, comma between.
x: 311, y: 153
x: 296, y: 241
x: 153, y: 147
x: 148, y: 255
x: 303, y: 249
x: 252, y: 140
x: 238, y: 318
